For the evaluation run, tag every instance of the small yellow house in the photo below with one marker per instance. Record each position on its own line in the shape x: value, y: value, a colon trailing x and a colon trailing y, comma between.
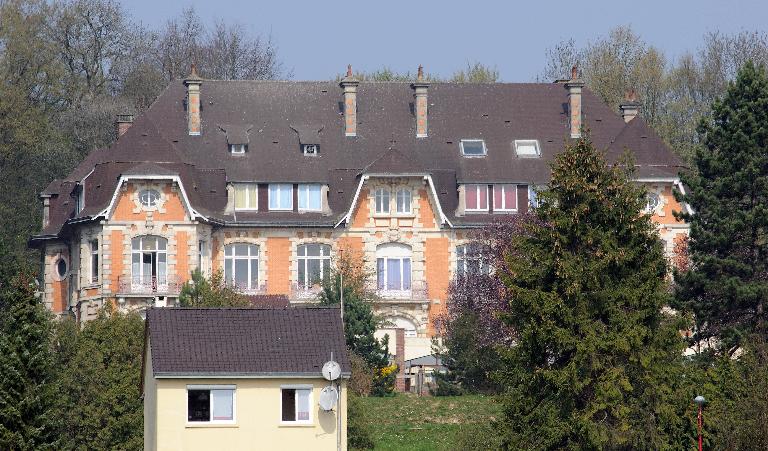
x: 243, y: 379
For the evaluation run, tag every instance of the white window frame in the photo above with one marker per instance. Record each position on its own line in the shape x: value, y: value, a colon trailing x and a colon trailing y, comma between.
x: 160, y: 282
x: 310, y: 149
x: 463, y: 258
x: 651, y: 209
x: 156, y: 200
x: 527, y: 142
x: 247, y: 187
x: 473, y: 155
x: 398, y: 199
x: 233, y: 388
x: 504, y: 208
x: 311, y: 419
x: 202, y: 257
x: 80, y: 198
x: 378, y: 200
x: 95, y: 270
x: 304, y: 190
x: 477, y: 198
x: 303, y: 260
x: 394, y: 251
x: 279, y: 188
x: 238, y: 149
x: 249, y: 258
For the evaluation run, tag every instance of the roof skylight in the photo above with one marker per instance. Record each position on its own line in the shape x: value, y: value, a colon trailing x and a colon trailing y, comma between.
x: 527, y: 148
x: 473, y: 147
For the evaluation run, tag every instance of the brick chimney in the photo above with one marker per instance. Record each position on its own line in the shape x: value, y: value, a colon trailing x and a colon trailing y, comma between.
x: 122, y: 123
x: 630, y: 107
x: 349, y: 84
x: 193, y: 83
x: 420, y: 95
x: 574, y: 86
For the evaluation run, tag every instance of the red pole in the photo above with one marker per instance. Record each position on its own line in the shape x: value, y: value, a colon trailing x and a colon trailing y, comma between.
x: 700, y: 424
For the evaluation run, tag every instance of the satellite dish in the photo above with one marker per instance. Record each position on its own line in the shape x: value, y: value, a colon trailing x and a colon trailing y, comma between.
x: 328, y: 398
x: 331, y: 370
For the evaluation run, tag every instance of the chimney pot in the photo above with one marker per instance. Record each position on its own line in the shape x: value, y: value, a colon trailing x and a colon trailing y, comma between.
x: 420, y: 88
x: 349, y: 84
x: 574, y: 87
x: 122, y: 123
x: 630, y: 107
x: 193, y: 82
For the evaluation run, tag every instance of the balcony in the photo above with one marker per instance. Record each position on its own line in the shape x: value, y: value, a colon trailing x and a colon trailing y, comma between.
x: 149, y: 285
x: 418, y: 293
x: 301, y: 293
x: 243, y: 288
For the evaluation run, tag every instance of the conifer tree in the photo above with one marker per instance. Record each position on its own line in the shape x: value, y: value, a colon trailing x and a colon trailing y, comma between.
x: 27, y: 369
x: 727, y: 285
x: 586, y: 280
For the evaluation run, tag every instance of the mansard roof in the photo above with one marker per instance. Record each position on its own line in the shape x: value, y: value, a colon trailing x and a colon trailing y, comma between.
x: 276, y: 117
x: 293, y: 341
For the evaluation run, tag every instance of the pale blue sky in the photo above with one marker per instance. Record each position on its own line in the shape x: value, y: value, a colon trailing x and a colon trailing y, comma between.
x: 317, y: 39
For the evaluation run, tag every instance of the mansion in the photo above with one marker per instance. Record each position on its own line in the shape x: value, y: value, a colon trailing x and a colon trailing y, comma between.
x: 268, y: 181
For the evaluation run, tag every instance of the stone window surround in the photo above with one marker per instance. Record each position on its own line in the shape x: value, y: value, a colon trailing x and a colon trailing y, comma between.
x: 159, y: 205
x: 393, y: 186
x: 245, y: 237
x: 293, y: 259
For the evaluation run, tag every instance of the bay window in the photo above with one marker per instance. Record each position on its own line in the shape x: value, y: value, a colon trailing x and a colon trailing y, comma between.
x: 241, y: 266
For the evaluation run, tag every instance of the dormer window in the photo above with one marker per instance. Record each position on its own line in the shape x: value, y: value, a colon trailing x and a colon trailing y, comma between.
x: 476, y: 198
x: 473, y: 147
x: 310, y: 149
x: 237, y: 149
x: 527, y: 148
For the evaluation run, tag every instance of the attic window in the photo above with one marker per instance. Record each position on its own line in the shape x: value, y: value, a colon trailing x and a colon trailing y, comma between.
x: 473, y: 147
x: 310, y: 149
x: 527, y: 148
x: 237, y: 149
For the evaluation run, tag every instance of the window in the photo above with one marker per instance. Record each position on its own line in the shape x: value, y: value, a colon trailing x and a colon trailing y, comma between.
x: 473, y: 147
x: 61, y: 268
x: 202, y: 256
x: 149, y: 262
x: 214, y: 404
x: 393, y: 267
x: 241, y: 266
x: 652, y: 202
x: 504, y: 197
x: 310, y: 149
x: 476, y: 197
x: 310, y: 198
x: 533, y: 195
x: 295, y: 405
x: 281, y: 196
x: 403, y: 200
x: 80, y: 199
x: 94, y: 260
x: 238, y: 149
x: 527, y: 148
x: 148, y: 198
x: 381, y: 196
x: 314, y: 262
x: 246, y: 196
x: 471, y: 260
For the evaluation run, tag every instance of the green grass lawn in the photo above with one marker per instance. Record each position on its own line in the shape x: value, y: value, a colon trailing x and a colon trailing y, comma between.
x: 406, y: 422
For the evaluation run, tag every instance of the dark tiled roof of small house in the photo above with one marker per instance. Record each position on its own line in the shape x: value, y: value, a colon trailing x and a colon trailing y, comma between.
x: 230, y: 341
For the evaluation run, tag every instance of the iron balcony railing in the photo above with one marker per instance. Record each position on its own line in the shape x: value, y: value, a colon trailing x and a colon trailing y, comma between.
x: 418, y: 291
x: 152, y: 285
x: 301, y: 292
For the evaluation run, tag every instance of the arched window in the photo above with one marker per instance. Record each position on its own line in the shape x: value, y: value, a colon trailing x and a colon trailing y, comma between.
x: 471, y: 259
x: 393, y: 267
x: 314, y: 264
x: 149, y: 261
x: 381, y: 196
x: 403, y: 200
x: 241, y: 266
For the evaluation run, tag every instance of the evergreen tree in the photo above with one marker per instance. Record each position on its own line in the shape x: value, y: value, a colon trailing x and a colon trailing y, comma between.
x: 201, y: 292
x: 586, y: 282
x: 727, y: 285
x: 27, y: 369
x: 359, y: 321
x: 100, y: 406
